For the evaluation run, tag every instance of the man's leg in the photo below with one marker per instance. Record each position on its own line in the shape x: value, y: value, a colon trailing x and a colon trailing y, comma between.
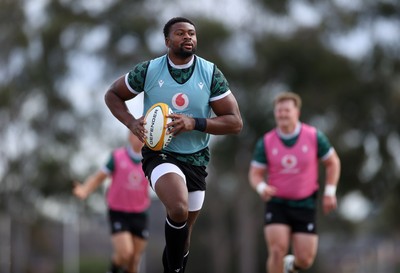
x: 172, y: 191
x: 114, y: 268
x: 123, y: 251
x: 304, y: 238
x: 195, y: 202
x: 175, y: 238
x: 304, y: 249
x: 139, y: 245
x: 277, y: 237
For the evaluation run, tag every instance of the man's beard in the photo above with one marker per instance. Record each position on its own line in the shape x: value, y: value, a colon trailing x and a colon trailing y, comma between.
x: 185, y: 53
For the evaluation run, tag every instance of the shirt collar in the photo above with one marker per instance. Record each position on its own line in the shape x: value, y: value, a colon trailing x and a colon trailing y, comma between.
x: 295, y: 133
x: 133, y: 154
x: 181, y: 66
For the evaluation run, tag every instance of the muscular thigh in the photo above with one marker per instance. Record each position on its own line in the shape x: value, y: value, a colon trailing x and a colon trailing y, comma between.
x: 139, y: 245
x: 277, y: 236
x: 122, y: 242
x: 305, y: 245
x: 171, y: 189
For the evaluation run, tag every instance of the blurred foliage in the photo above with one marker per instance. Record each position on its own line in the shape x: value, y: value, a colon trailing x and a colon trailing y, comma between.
x: 354, y: 101
x: 276, y: 6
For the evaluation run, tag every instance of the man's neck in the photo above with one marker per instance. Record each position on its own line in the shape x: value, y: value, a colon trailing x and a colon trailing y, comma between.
x: 289, y: 131
x: 137, y: 154
x: 180, y: 63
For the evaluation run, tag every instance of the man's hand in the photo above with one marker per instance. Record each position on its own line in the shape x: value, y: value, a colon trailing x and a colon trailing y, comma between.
x: 265, y: 191
x: 179, y: 124
x: 136, y: 126
x: 79, y: 190
x: 329, y: 203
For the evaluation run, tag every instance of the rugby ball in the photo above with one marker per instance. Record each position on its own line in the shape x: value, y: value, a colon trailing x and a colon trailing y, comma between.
x: 156, y: 132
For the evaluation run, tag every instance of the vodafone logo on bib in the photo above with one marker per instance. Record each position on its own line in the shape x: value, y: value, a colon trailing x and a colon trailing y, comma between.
x: 289, y: 161
x: 180, y: 101
x: 134, y: 180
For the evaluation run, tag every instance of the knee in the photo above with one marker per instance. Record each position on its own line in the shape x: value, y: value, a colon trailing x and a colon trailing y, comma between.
x: 277, y: 253
x: 178, y: 212
x: 126, y: 257
x: 304, y: 262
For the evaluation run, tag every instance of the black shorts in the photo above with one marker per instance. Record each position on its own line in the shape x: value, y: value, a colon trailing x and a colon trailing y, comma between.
x: 299, y: 219
x: 195, y: 175
x: 135, y: 223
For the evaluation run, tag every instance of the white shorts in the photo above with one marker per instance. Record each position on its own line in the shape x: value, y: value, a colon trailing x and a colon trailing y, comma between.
x: 196, y: 198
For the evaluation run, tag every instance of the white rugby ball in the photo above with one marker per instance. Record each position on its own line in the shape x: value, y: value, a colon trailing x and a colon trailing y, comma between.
x: 156, y: 120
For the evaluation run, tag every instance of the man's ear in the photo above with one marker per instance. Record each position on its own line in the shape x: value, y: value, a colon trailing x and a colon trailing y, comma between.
x: 166, y: 41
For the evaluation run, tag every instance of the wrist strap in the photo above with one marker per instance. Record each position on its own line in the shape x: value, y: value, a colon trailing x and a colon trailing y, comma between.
x: 200, y: 124
x: 261, y: 187
x: 330, y: 190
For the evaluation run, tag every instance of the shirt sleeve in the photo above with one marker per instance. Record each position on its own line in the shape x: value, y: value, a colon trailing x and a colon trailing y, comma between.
x: 259, y: 157
x: 109, y: 166
x: 324, y: 146
x: 219, y: 85
x: 135, y: 78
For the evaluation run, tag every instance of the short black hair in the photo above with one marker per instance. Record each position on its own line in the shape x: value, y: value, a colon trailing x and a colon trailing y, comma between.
x: 173, y: 21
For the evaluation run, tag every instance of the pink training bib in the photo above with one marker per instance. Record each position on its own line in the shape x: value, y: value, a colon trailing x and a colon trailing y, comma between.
x: 293, y: 170
x: 129, y: 187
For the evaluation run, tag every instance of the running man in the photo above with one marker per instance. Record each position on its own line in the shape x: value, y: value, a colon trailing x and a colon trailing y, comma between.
x: 193, y: 87
x: 284, y: 172
x: 128, y: 201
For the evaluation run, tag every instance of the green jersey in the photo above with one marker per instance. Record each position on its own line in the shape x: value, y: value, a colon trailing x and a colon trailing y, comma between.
x: 187, y: 90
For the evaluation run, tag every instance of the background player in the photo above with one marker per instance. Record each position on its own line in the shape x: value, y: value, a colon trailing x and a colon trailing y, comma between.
x: 284, y: 171
x: 127, y: 200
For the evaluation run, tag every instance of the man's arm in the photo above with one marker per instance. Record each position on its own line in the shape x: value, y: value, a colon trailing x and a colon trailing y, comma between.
x: 332, y: 173
x: 115, y: 98
x: 82, y: 191
x: 257, y: 181
x: 228, y: 119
